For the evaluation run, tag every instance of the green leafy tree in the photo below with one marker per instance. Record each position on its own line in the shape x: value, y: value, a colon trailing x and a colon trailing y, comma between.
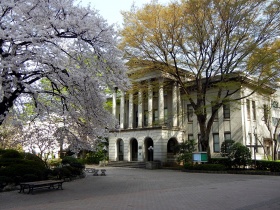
x: 240, y: 155
x: 226, y: 147
x: 215, y: 41
x: 184, y: 151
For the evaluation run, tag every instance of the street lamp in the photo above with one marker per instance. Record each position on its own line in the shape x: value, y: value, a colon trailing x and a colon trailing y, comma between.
x: 151, y: 152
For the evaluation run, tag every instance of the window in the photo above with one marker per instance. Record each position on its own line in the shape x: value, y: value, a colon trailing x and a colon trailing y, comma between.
x: 165, y: 116
x: 190, y: 112
x: 227, y: 136
x: 155, y: 117
x: 254, y: 110
x: 146, y: 116
x: 190, y: 137
x: 216, y: 142
x: 155, y: 94
x: 248, y: 109
x: 226, y: 109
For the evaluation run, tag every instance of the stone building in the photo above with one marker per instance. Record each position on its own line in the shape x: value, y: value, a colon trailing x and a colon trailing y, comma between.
x: 157, y: 116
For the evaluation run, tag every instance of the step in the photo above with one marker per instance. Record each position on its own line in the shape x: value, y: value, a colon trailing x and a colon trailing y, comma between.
x: 127, y: 164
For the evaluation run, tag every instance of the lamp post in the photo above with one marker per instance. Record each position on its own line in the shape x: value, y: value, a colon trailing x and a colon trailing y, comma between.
x: 151, y: 149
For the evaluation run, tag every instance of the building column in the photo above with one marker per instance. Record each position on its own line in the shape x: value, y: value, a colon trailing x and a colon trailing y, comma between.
x: 175, y: 105
x: 114, y: 108
x: 122, y: 111
x: 180, y: 118
x: 130, y: 117
x: 161, y: 104
x: 140, y: 109
x: 150, y: 105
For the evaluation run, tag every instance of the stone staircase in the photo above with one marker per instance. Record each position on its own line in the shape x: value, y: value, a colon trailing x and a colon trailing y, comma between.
x: 126, y: 164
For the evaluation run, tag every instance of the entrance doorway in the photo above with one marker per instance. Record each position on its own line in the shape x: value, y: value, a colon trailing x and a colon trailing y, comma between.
x: 149, y: 149
x: 134, y: 149
x: 171, y: 149
x: 120, y: 150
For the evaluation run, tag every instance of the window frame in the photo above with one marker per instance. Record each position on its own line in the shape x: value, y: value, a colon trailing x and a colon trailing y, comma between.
x: 226, y: 111
x: 216, y: 143
x: 190, y: 112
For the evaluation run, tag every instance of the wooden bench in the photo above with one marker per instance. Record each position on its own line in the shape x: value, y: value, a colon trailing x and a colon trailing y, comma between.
x: 95, y: 172
x: 31, y: 186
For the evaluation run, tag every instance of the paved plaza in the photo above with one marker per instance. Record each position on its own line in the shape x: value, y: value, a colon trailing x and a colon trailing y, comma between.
x: 125, y: 188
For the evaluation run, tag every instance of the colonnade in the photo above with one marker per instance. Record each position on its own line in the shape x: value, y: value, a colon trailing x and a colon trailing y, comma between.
x: 176, y: 109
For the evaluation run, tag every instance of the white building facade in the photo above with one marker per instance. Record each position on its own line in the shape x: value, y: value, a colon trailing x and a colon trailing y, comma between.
x: 157, y: 117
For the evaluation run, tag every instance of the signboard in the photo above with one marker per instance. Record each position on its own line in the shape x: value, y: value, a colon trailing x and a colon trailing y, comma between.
x: 200, y: 157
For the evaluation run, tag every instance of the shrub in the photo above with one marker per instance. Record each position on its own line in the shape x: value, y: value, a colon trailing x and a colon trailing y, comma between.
x: 21, y: 166
x: 10, y: 153
x: 61, y: 173
x: 54, y: 162
x: 226, y: 147
x: 23, y: 169
x: 240, y: 155
x: 5, y: 180
x: 68, y: 160
x: 223, y: 161
x: 274, y: 166
x: 30, y: 177
x: 263, y: 165
x: 35, y: 158
x: 94, y: 157
x: 184, y: 151
x: 266, y: 165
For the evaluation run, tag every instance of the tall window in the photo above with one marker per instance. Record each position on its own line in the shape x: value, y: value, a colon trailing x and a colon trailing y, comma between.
x: 216, y: 142
x: 165, y: 115
x: 146, y: 116
x: 254, y: 110
x: 248, y: 109
x: 226, y: 110
x: 190, y: 112
x: 155, y: 117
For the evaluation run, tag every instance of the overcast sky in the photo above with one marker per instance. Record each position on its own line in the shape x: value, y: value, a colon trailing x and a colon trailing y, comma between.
x: 110, y: 9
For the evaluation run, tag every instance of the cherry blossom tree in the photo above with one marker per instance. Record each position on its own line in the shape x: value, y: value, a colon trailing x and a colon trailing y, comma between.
x: 62, y: 54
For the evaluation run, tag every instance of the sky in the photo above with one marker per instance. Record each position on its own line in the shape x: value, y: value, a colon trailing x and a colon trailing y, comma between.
x: 110, y: 9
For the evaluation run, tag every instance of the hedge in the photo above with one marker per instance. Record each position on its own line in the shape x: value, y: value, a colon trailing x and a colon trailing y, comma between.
x: 266, y: 165
x: 205, y: 167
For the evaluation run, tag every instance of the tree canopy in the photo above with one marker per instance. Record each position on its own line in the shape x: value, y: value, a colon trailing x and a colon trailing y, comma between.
x: 213, y: 40
x: 61, y: 52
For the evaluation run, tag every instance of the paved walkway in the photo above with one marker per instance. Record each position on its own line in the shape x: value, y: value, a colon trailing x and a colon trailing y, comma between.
x: 125, y: 188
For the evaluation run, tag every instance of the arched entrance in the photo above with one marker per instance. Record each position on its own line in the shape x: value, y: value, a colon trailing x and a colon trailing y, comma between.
x: 171, y: 144
x: 134, y: 149
x: 149, y: 149
x: 171, y: 147
x: 120, y: 150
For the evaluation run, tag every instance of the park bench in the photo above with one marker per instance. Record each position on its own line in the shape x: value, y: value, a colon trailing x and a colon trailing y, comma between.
x: 95, y: 171
x: 103, y: 172
x: 31, y: 186
x: 89, y: 170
